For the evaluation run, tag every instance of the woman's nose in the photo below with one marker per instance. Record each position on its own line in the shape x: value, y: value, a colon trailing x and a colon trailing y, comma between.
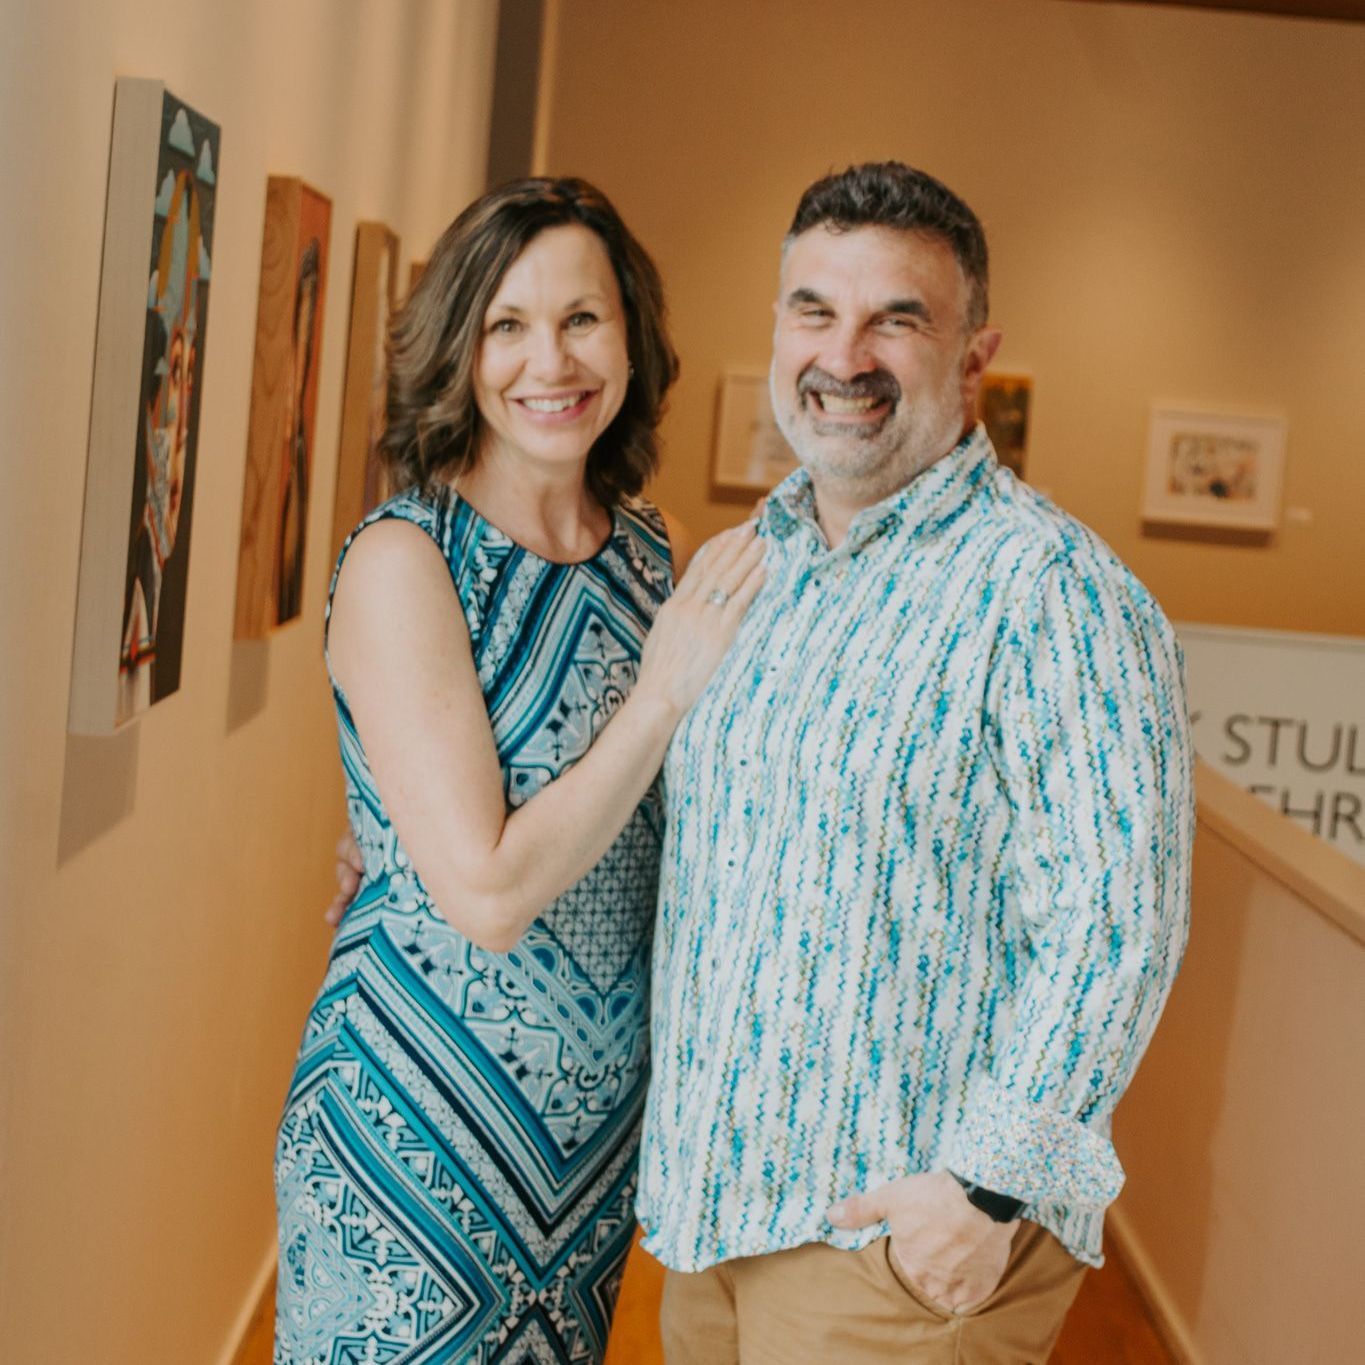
x: 549, y: 356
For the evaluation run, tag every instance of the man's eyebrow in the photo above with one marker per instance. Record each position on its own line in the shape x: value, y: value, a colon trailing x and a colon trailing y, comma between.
x: 915, y: 308
x: 907, y: 307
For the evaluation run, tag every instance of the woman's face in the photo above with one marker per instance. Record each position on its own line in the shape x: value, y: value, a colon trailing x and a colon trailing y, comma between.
x: 553, y: 367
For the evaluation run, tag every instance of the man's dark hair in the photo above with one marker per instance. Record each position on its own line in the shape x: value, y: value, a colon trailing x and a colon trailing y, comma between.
x: 893, y: 195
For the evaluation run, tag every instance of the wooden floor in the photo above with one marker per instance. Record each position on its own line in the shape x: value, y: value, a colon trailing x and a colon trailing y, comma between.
x: 1107, y: 1326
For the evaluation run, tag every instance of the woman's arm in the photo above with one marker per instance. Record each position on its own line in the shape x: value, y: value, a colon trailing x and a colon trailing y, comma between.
x: 400, y: 649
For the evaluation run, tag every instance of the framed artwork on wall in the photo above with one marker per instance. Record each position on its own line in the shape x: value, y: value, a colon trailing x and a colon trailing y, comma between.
x: 1003, y: 406
x: 144, y: 416
x: 1213, y: 469
x: 284, y: 392
x: 751, y: 456
x: 361, y: 482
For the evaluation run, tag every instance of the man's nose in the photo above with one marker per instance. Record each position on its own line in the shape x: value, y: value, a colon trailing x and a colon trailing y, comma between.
x: 845, y: 354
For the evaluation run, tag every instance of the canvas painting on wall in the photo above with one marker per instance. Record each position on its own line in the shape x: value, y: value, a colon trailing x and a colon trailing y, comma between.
x: 1003, y: 407
x: 144, y: 419
x: 361, y: 482
x: 1210, y: 469
x: 284, y: 392
x: 751, y: 455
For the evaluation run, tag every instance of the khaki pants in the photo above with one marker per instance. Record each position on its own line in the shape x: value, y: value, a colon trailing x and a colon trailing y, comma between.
x: 816, y: 1305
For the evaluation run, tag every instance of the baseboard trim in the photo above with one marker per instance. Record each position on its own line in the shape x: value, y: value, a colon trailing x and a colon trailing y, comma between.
x: 1166, y: 1316
x: 253, y: 1307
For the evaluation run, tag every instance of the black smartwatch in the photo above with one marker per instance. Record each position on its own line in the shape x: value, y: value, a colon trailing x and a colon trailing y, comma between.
x: 1001, y: 1208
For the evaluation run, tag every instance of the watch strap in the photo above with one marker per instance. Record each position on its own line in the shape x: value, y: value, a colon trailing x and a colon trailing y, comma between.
x: 1001, y: 1208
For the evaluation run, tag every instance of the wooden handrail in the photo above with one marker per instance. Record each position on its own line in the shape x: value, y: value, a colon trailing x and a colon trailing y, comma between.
x: 1310, y: 867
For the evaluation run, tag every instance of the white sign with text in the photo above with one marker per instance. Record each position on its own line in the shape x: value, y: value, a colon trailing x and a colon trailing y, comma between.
x: 1283, y: 715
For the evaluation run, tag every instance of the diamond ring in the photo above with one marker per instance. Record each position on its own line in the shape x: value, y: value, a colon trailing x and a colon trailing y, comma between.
x: 718, y: 597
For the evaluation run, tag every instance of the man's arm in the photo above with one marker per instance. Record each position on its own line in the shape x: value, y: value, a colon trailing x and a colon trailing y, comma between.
x: 1090, y: 734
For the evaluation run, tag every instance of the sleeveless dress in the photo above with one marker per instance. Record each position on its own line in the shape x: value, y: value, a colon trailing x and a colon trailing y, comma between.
x: 455, y: 1167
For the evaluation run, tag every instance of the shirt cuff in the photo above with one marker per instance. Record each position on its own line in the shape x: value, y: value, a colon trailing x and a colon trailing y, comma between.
x: 1013, y: 1146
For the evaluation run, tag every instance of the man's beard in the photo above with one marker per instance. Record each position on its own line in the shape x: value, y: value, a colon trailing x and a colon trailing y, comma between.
x: 880, y: 457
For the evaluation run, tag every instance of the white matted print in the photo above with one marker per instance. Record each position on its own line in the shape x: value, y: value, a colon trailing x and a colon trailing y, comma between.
x: 751, y: 456
x: 1212, y: 469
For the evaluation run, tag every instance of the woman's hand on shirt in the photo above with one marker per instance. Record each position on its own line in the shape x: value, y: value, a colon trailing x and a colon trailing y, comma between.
x: 696, y: 626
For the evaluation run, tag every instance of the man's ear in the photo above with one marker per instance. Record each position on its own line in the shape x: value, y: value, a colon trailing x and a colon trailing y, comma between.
x: 980, y: 351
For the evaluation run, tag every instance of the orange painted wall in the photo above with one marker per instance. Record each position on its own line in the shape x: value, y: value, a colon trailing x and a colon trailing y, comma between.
x: 1172, y: 198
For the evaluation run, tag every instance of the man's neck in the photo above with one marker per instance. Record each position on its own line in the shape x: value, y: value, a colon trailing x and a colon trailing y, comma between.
x: 838, y: 501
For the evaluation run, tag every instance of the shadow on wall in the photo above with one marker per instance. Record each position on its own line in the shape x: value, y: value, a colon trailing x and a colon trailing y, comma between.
x: 1206, y: 535
x: 99, y: 784
x: 99, y: 775
x: 248, y: 681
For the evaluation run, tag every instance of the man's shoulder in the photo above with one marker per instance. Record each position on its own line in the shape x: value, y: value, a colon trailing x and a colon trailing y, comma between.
x: 1050, y: 545
x: 1043, y: 542
x: 1031, y: 524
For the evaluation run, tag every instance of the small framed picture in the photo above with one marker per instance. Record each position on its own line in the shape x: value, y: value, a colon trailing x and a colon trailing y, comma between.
x: 751, y: 456
x: 1214, y: 469
x: 1003, y: 407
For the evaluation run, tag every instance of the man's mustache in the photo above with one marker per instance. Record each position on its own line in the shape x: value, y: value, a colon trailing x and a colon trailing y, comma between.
x: 880, y: 384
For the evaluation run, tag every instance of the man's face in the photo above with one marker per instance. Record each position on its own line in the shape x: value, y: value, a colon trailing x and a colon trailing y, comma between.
x: 874, y: 373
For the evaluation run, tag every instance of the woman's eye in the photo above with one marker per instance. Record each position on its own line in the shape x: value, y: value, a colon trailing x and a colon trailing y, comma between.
x: 578, y: 321
x: 505, y: 326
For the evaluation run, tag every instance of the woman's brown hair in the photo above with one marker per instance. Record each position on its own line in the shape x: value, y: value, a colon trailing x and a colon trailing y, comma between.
x: 433, y: 425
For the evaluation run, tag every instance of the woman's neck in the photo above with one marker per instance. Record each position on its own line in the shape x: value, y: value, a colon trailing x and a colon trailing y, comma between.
x: 547, y: 509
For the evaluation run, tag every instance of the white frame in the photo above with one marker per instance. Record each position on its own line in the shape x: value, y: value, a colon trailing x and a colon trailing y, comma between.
x: 1259, y: 512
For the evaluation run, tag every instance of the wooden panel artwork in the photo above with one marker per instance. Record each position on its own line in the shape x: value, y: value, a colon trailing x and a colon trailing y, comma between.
x: 361, y: 482
x: 284, y: 388
x: 144, y: 414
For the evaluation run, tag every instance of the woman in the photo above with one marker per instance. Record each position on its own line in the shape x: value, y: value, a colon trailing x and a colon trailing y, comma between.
x: 455, y: 1164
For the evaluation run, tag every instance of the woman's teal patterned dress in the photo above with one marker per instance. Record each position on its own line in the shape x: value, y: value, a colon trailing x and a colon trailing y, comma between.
x: 456, y: 1162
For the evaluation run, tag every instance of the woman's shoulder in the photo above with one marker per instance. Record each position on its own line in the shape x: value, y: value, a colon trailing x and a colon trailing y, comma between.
x: 385, y: 526
x: 666, y: 532
x: 651, y: 531
x: 638, y: 512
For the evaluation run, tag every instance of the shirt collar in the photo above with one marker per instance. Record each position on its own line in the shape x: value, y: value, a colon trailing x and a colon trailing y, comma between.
x: 927, y: 502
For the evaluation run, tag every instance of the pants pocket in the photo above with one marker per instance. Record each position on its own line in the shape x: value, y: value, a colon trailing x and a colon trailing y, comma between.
x: 929, y: 1305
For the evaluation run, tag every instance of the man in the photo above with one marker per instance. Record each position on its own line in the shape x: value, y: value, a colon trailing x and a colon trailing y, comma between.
x: 926, y: 870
